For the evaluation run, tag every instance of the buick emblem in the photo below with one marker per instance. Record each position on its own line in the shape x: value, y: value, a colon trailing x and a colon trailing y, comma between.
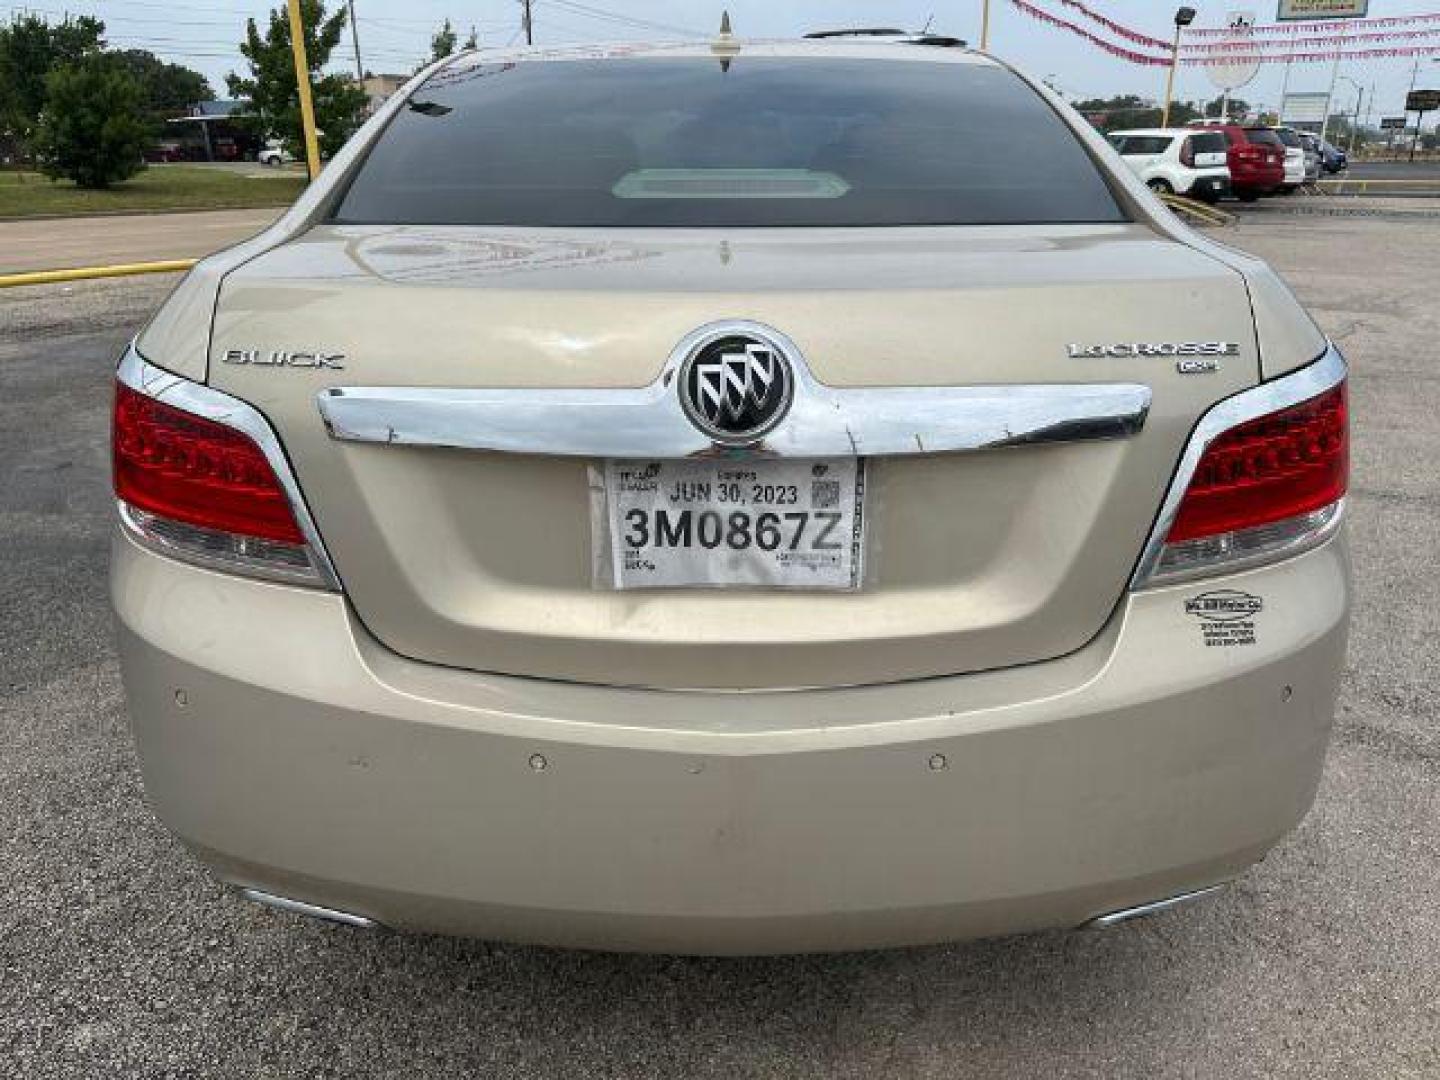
x: 736, y: 388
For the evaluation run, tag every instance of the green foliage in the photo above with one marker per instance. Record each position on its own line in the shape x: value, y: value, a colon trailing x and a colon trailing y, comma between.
x: 30, y: 49
x: 473, y: 41
x: 443, y: 43
x: 1131, y: 111
x: 169, y: 89
x: 92, y: 128
x: 272, y: 91
x: 1238, y: 108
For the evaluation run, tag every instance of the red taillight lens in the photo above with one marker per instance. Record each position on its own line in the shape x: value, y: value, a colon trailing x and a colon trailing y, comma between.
x: 1269, y: 469
x: 185, y: 468
x: 1187, y: 154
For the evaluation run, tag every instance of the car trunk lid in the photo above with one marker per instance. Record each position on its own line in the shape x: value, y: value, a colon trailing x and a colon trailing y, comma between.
x: 975, y: 560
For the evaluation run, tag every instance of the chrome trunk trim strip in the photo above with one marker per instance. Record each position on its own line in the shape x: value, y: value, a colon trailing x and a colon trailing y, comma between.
x: 140, y: 375
x: 1302, y: 385
x: 649, y: 422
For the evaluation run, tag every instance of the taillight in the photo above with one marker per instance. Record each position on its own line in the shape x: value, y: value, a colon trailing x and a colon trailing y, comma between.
x: 200, y: 487
x: 1187, y: 154
x: 1257, y: 487
x: 185, y: 468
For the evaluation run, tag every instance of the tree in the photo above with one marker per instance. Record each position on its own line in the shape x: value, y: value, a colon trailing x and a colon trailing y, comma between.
x: 443, y: 43
x: 30, y: 49
x: 273, y: 94
x: 168, y: 89
x: 92, y: 128
x: 1132, y: 111
x: 1238, y: 108
x: 473, y: 41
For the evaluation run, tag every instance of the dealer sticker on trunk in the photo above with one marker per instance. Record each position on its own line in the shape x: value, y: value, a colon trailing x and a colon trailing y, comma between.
x: 723, y: 522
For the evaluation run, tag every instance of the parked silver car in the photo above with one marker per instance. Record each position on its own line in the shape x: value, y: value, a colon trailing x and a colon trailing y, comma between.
x: 756, y: 497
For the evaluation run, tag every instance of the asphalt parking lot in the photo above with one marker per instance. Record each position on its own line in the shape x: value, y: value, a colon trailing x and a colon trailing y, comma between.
x: 120, y: 957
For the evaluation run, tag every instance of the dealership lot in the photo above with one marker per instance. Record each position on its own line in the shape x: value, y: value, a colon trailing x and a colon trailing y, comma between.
x: 120, y: 957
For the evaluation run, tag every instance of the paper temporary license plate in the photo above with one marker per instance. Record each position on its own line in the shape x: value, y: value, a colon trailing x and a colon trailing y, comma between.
x: 784, y: 524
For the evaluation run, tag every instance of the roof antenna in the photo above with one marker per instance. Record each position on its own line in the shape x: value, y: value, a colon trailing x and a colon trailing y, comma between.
x: 725, y: 46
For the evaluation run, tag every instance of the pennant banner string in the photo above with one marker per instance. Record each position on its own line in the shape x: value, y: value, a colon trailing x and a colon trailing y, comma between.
x: 1241, y: 49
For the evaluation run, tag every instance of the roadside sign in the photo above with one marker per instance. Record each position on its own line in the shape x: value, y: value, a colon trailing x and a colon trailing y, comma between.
x: 1308, y: 108
x: 1392, y: 123
x: 1422, y: 101
x: 1291, y: 10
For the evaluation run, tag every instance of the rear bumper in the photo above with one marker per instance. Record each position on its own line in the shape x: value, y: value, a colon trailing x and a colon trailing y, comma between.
x: 298, y: 757
x: 1210, y: 188
x: 1262, y: 180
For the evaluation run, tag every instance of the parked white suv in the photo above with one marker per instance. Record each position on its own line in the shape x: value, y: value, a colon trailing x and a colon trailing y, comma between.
x: 1296, y: 170
x: 1177, y: 160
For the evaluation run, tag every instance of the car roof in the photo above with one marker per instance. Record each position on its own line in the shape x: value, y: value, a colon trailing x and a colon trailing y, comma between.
x: 1172, y: 132
x: 849, y: 48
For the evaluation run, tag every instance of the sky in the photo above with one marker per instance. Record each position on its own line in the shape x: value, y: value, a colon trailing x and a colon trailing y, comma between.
x: 395, y: 35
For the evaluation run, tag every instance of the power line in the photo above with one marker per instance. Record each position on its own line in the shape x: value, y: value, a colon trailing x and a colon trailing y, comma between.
x: 624, y: 20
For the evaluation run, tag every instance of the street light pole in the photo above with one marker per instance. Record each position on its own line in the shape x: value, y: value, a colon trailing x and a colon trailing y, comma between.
x: 984, y: 25
x: 1183, y: 18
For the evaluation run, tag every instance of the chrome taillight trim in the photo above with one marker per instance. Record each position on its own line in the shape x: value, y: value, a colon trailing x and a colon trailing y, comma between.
x: 1310, y: 381
x: 649, y: 421
x: 192, y: 397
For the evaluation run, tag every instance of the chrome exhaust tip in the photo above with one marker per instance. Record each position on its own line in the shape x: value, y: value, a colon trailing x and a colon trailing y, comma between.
x: 1124, y: 915
x: 314, y: 911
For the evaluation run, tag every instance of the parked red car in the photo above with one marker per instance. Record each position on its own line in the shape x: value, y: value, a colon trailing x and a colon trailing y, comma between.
x: 164, y: 152
x: 1256, y: 157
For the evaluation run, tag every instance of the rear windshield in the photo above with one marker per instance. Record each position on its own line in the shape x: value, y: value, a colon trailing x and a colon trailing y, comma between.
x: 1142, y: 144
x: 686, y: 143
x: 1208, y: 142
x: 1263, y: 135
x: 1289, y: 138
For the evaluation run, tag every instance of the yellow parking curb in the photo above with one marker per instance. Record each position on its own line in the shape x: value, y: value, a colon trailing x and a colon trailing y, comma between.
x: 82, y: 273
x: 1204, y: 211
x: 1338, y: 185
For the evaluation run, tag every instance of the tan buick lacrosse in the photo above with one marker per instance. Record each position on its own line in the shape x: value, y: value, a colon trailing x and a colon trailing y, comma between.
x: 730, y: 498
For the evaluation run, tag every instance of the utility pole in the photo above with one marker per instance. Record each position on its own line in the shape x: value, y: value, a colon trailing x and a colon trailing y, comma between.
x: 1419, y: 117
x: 984, y: 25
x: 1355, y: 120
x: 302, y: 82
x: 1330, y: 95
x: 529, y: 23
x: 355, y: 40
